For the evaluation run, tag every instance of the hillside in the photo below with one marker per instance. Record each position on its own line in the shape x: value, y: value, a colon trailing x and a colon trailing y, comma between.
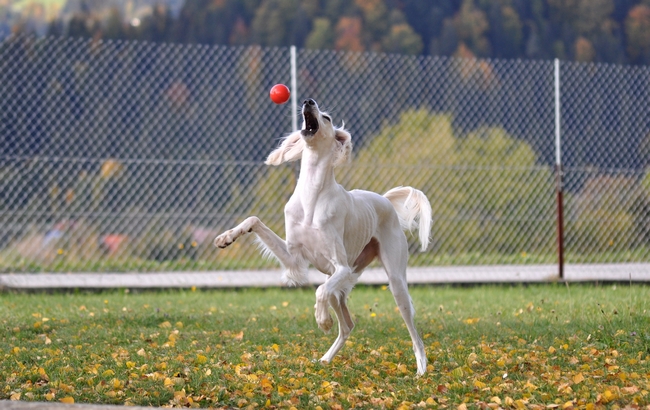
x: 612, y: 31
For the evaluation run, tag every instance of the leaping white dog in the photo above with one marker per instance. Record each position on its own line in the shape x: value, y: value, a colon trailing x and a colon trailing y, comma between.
x: 337, y: 231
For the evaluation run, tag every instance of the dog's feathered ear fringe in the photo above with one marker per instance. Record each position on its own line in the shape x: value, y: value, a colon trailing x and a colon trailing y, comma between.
x: 289, y: 150
x: 344, y: 152
x: 292, y: 145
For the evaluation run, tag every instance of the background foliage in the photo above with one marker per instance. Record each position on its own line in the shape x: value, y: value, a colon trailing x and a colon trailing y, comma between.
x: 613, y: 31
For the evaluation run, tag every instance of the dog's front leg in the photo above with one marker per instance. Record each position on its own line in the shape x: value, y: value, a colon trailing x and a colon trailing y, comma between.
x: 276, y: 245
x: 323, y: 317
x: 227, y: 238
x: 334, y: 292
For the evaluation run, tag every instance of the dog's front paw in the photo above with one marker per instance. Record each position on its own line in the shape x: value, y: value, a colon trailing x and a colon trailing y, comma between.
x: 225, y: 239
x: 228, y: 237
x: 325, y: 322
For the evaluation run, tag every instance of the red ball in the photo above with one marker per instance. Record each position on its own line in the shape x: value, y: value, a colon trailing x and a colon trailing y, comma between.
x: 280, y: 93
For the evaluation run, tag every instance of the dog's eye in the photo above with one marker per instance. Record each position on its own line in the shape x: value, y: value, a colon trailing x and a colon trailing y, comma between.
x: 327, y: 117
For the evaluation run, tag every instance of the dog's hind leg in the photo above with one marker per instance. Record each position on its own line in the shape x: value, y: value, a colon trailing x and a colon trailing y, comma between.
x: 394, y: 255
x: 338, y: 303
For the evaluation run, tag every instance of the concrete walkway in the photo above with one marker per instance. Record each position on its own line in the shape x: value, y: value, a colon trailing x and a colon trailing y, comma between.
x: 24, y: 405
x: 621, y: 272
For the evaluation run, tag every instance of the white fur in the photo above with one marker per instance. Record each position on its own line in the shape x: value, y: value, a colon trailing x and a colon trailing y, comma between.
x: 337, y: 231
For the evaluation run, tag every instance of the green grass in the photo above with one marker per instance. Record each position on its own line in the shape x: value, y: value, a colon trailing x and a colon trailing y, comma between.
x: 521, y: 346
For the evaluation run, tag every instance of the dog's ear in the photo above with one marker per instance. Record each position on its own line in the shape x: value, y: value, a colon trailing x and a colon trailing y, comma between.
x: 343, y: 153
x: 289, y: 150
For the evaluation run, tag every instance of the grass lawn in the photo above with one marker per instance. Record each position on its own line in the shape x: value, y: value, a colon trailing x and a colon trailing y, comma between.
x: 541, y: 346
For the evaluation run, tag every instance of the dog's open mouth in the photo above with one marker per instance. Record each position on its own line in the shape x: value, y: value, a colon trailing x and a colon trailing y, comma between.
x: 311, y: 123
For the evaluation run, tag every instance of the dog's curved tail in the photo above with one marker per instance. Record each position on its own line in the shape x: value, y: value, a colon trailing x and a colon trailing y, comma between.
x: 411, y: 204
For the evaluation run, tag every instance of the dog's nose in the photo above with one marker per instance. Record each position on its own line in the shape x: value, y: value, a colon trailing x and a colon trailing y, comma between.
x: 309, y: 101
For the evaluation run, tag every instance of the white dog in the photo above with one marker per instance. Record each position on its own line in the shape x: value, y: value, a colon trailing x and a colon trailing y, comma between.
x: 337, y: 231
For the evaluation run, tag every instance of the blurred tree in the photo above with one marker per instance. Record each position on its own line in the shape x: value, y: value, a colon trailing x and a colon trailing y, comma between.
x: 539, y: 29
x: 449, y: 40
x: 321, y: 36
x: 348, y: 34
x: 580, y: 20
x: 54, y: 28
x: 80, y: 25
x: 401, y: 38
x: 240, y: 33
x: 272, y: 20
x: 506, y: 31
x: 472, y: 26
x: 637, y: 30
x: 584, y: 50
x: 375, y: 22
x: 158, y: 25
x: 211, y: 22
x: 335, y: 9
x: 593, y: 16
x: 114, y: 26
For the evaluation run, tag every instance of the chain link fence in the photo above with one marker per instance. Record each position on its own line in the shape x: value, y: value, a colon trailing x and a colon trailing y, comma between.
x: 132, y: 156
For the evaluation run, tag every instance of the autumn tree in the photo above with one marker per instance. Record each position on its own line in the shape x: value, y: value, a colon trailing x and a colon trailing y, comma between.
x: 348, y: 34
x: 637, y: 30
x: 375, y: 21
x: 472, y: 26
x: 613, y: 31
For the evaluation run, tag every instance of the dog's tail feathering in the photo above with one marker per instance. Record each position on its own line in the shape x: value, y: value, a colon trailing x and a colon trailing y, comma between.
x: 412, y: 204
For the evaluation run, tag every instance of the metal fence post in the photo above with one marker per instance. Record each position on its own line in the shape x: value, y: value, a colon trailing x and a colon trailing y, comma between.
x: 294, y: 91
x: 559, y: 174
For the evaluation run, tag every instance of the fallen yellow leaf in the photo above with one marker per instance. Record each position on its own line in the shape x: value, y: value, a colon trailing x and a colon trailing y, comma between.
x: 578, y: 378
x: 479, y: 384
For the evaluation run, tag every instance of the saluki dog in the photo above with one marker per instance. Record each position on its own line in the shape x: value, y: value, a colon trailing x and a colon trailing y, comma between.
x: 337, y: 231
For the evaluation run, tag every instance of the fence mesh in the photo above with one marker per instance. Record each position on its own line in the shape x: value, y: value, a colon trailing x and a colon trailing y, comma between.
x: 123, y: 156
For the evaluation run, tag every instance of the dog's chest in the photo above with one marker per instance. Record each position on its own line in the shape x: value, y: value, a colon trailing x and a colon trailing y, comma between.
x: 312, y: 232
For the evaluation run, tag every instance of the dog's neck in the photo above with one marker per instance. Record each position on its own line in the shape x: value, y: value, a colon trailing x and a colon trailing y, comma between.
x: 316, y: 176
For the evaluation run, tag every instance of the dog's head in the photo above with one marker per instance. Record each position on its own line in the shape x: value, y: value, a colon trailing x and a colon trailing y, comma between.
x: 317, y: 133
